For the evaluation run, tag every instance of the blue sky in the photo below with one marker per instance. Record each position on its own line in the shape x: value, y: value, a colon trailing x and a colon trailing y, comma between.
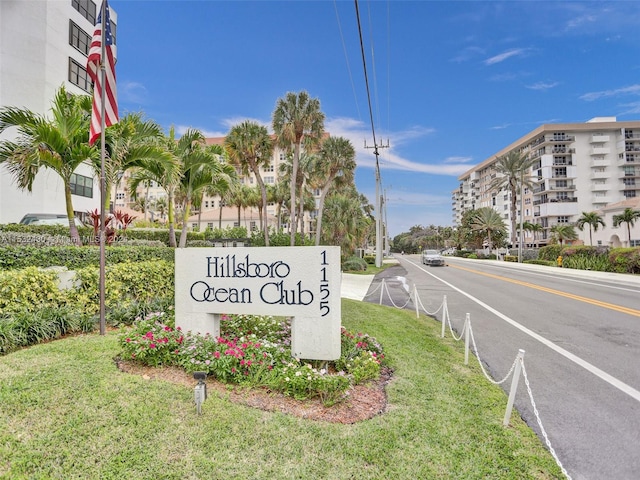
x: 451, y: 82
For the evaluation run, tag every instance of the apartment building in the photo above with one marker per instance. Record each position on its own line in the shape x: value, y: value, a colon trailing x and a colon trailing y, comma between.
x: 579, y: 167
x: 43, y: 45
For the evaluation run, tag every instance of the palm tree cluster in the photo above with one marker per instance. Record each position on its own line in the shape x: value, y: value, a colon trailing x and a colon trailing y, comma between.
x: 187, y: 169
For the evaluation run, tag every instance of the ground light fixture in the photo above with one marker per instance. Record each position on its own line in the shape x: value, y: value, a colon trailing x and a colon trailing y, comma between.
x: 200, y: 390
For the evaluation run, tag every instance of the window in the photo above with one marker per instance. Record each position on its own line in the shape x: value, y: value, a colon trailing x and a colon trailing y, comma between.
x: 527, y: 201
x: 629, y: 194
x: 635, y: 243
x: 563, y: 219
x: 560, y: 172
x: 561, y: 183
x: 79, y: 76
x: 119, y: 196
x: 269, y: 180
x: 236, y: 224
x: 629, y: 182
x: 268, y: 168
x: 86, y: 8
x: 210, y: 226
x: 81, y: 185
x: 252, y: 226
x: 78, y: 38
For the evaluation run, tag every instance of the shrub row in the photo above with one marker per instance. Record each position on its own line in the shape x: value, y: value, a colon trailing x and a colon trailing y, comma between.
x: 72, y: 257
x: 127, y: 284
x: 599, y: 258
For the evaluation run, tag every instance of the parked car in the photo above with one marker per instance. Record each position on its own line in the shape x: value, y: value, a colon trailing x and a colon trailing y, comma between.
x: 432, y: 258
x: 47, y: 219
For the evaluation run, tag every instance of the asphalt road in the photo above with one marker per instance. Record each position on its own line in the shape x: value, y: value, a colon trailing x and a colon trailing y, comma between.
x: 581, y: 335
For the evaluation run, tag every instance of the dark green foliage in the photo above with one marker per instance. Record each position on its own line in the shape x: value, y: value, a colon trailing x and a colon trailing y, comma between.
x: 354, y: 264
x: 24, y: 328
x: 547, y: 263
x: 370, y: 259
x: 550, y: 252
x: 625, y: 260
x: 13, y: 257
x: 280, y: 239
x: 584, y: 257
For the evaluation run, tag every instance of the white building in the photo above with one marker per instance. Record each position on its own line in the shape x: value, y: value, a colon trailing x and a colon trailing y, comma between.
x: 43, y: 45
x: 579, y: 167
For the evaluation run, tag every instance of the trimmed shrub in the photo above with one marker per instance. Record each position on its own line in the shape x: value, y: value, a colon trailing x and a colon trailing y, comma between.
x: 625, y: 260
x: 29, y: 290
x: 370, y: 259
x: 72, y: 257
x: 354, y: 264
x: 510, y: 258
x: 541, y: 262
x: 550, y: 252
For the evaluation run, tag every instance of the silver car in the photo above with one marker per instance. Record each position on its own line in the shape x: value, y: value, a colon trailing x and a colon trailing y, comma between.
x: 432, y: 258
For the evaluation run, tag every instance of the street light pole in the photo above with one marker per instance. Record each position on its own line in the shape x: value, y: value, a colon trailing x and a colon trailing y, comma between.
x: 521, y: 235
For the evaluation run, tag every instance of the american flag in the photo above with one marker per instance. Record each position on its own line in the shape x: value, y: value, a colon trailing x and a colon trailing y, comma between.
x: 93, y: 69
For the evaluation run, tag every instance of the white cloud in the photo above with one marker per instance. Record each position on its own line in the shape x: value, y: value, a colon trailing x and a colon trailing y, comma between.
x: 132, y: 92
x: 357, y: 132
x: 630, y: 90
x: 543, y: 86
x: 182, y: 129
x: 514, y: 52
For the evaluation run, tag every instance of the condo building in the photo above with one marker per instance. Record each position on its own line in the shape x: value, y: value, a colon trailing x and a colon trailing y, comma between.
x: 578, y: 167
x: 43, y: 45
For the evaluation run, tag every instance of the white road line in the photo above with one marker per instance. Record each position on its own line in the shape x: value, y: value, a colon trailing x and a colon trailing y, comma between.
x: 623, y: 387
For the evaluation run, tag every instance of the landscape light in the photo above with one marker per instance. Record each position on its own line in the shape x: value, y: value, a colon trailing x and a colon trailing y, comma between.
x: 200, y: 390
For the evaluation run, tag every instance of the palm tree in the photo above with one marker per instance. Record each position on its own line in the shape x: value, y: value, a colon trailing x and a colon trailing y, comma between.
x: 128, y: 142
x: 487, y: 221
x: 532, y: 227
x: 511, y: 169
x: 593, y: 220
x: 160, y: 205
x: 347, y: 225
x: 629, y: 216
x: 200, y: 167
x: 297, y: 117
x: 564, y: 231
x: 59, y: 144
x: 250, y: 147
x: 335, y: 165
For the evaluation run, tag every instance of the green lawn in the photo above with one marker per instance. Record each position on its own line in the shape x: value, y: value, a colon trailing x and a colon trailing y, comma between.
x: 67, y: 412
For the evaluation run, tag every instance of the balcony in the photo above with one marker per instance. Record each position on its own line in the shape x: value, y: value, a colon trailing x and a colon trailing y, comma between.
x: 600, y: 151
x: 599, y: 138
x: 599, y: 162
x: 632, y: 135
x: 555, y: 200
x: 630, y: 159
x: 598, y: 174
x: 600, y: 199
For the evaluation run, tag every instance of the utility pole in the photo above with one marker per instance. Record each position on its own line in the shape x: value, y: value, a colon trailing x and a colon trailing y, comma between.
x: 378, y: 204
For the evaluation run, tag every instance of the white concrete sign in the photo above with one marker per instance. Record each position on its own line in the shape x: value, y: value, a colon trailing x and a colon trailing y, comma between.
x: 298, y: 282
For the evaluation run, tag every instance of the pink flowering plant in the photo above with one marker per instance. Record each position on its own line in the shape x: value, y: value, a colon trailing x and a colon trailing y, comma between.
x: 253, y: 350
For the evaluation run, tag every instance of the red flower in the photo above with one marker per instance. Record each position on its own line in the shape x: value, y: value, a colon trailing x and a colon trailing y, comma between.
x: 149, y: 335
x: 167, y: 328
x: 152, y: 345
x: 216, y: 354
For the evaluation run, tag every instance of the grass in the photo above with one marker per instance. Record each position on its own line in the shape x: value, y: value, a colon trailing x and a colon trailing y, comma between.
x: 66, y: 412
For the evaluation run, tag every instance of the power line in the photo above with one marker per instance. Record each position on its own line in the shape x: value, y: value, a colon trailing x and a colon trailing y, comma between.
x: 346, y: 56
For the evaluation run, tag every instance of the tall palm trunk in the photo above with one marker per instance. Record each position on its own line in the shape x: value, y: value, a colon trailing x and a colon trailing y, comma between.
x: 294, y: 181
x: 263, y: 209
x: 323, y: 195
x: 73, y: 230
x: 171, y: 220
x: 185, y: 216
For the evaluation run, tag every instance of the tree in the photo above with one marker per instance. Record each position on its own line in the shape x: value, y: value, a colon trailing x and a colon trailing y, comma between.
x: 347, y: 225
x: 297, y: 117
x: 564, y: 231
x: 534, y: 228
x: 487, y: 221
x: 250, y: 147
x: 132, y: 142
x: 335, y: 165
x: 59, y: 144
x: 511, y: 169
x: 629, y: 216
x: 200, y: 167
x: 593, y: 220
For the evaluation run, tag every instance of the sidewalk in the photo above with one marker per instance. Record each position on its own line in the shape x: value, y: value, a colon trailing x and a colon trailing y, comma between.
x: 356, y: 286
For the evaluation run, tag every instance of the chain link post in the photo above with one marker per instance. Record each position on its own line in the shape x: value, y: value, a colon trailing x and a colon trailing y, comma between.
x: 415, y: 300
x: 381, y: 291
x: 467, y: 334
x: 445, y: 314
x: 514, y: 387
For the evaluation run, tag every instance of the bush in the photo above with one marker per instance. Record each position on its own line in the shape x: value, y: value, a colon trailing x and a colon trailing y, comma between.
x: 472, y: 255
x: 625, y: 260
x: 541, y: 262
x: 73, y: 257
x: 127, y: 284
x: 510, y: 258
x: 370, y: 259
x: 354, y: 264
x: 29, y: 290
x: 584, y: 257
x: 550, y: 252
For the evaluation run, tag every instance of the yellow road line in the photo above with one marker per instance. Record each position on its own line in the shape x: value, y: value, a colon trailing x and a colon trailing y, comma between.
x: 611, y: 306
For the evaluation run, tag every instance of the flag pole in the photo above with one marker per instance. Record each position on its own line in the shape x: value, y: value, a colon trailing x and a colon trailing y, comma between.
x: 102, y: 174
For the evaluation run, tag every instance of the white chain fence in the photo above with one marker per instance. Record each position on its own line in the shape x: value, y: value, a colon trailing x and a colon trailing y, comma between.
x: 467, y: 334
